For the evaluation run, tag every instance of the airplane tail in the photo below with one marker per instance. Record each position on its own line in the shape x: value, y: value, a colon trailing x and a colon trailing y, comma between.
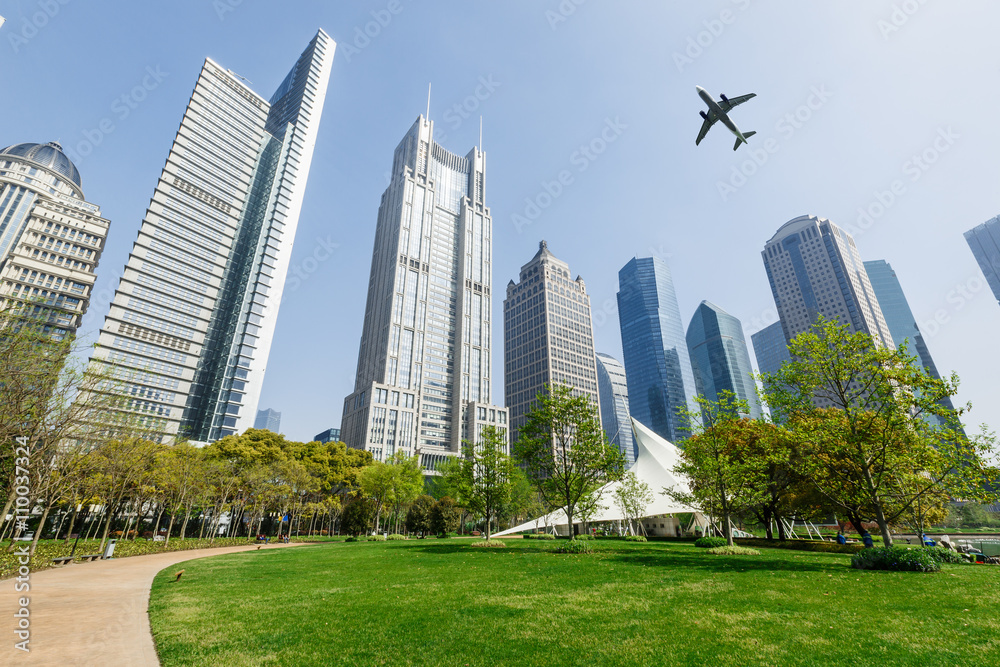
x: 746, y: 135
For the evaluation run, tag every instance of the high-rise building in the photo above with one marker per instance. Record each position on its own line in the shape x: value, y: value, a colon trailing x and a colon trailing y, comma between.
x: 984, y: 241
x: 50, y: 237
x: 814, y: 269
x: 612, y: 387
x: 899, y: 318
x: 269, y: 419
x: 770, y: 348
x: 719, y: 357
x: 190, y: 327
x: 660, y: 380
x: 329, y: 435
x: 548, y: 335
x: 424, y: 358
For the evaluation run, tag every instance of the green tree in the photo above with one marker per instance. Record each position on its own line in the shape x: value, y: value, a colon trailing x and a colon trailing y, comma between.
x: 565, y: 450
x: 444, y: 516
x: 632, y: 497
x: 418, y: 517
x: 358, y: 516
x: 483, y: 477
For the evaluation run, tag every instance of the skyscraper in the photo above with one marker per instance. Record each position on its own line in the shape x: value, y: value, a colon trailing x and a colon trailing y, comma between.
x: 984, y: 241
x: 424, y: 358
x: 548, y: 335
x: 190, y: 327
x: 770, y: 348
x: 329, y: 435
x: 899, y: 318
x: 612, y: 387
x: 814, y: 269
x: 719, y: 357
x: 660, y: 379
x: 50, y: 237
x: 269, y: 419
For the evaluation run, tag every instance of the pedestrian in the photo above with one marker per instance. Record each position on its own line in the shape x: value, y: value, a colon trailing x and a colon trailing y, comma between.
x: 841, y: 539
x: 866, y: 537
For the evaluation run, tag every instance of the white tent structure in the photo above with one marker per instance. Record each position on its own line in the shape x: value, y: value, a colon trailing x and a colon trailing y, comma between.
x: 654, y: 465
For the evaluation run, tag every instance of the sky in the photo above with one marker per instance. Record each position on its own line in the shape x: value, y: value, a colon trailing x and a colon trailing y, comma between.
x: 877, y: 115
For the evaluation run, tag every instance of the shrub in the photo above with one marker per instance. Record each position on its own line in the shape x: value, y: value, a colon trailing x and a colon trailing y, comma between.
x: 489, y: 543
x: 377, y: 538
x: 397, y: 536
x: 356, y: 538
x: 899, y: 559
x: 637, y: 538
x: 584, y: 537
x: 726, y: 550
x: 709, y: 542
x: 574, y: 547
x: 942, y: 555
x: 545, y: 536
x: 802, y: 545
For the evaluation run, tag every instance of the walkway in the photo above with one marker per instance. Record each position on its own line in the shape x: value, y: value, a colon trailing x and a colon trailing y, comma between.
x: 92, y: 613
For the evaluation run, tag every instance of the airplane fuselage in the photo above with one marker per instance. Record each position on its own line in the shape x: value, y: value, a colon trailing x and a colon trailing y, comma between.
x: 714, y: 107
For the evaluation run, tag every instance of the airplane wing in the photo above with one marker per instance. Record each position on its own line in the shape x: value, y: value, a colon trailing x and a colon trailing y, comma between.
x: 731, y: 102
x: 706, y: 126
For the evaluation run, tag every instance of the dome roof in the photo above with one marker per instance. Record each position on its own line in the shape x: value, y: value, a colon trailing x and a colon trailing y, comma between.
x: 48, y: 155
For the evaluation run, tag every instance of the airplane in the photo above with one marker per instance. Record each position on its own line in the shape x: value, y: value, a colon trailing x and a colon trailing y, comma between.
x: 720, y: 111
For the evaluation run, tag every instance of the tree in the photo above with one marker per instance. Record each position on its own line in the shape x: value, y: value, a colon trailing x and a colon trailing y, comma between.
x: 565, y: 450
x: 483, y: 477
x: 444, y: 516
x: 376, y: 482
x: 358, y: 516
x: 632, y: 497
x: 776, y: 450
x: 724, y: 482
x: 861, y: 413
x: 418, y: 518
x: 406, y: 483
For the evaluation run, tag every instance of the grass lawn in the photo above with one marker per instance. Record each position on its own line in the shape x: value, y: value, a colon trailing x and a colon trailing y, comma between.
x: 444, y: 602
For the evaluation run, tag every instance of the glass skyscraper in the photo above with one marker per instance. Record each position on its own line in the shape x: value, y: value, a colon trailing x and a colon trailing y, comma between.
x: 660, y: 379
x: 770, y: 348
x: 269, y: 419
x: 423, y: 378
x: 612, y: 385
x: 50, y: 237
x: 719, y: 357
x: 190, y: 327
x: 984, y: 241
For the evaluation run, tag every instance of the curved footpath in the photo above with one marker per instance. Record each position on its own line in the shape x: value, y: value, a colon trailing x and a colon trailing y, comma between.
x: 92, y: 613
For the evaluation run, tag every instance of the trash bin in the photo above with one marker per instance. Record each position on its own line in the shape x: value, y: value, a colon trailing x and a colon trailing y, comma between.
x: 109, y: 549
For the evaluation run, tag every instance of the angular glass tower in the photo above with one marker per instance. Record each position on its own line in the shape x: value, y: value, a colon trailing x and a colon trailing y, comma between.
x: 899, y: 318
x: 612, y: 386
x: 984, y: 241
x: 190, y: 327
x: 423, y: 378
x: 719, y: 357
x: 660, y: 379
x: 770, y: 348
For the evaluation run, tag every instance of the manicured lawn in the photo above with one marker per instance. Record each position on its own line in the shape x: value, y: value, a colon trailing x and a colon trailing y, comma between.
x: 443, y: 602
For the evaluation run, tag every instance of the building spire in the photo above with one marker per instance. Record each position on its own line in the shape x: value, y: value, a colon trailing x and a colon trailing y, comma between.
x: 428, y: 116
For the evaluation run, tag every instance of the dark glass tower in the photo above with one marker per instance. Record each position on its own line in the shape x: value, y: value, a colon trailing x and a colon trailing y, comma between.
x: 770, y: 348
x: 660, y: 381
x: 719, y: 357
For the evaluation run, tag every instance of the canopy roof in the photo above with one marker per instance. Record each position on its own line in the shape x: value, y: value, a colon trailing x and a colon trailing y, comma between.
x: 654, y: 465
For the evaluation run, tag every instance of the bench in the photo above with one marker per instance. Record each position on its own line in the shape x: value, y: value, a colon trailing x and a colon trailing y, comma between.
x: 89, y: 557
x: 63, y: 560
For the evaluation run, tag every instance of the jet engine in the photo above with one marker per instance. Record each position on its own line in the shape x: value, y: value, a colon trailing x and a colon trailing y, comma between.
x: 703, y: 115
x: 724, y: 98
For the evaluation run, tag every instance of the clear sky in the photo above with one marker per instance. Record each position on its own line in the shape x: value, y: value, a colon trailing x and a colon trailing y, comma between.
x: 860, y: 107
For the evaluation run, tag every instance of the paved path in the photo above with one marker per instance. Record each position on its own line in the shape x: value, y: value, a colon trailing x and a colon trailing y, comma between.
x: 92, y: 613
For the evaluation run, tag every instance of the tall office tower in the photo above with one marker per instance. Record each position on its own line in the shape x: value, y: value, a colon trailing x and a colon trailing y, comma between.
x: 660, y: 379
x: 899, y: 318
x: 50, y: 238
x: 770, y: 348
x: 548, y: 335
x: 719, y: 357
x: 424, y: 359
x: 190, y: 327
x: 612, y: 387
x: 269, y: 419
x: 984, y: 241
x: 814, y: 269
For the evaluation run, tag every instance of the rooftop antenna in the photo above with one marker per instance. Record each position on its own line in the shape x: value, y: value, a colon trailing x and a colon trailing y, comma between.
x: 241, y: 77
x: 480, y: 134
x: 428, y: 116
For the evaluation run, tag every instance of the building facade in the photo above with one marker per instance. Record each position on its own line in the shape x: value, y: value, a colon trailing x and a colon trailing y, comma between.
x: 770, y: 348
x: 329, y: 435
x: 719, y: 357
x: 814, y: 269
x: 984, y: 241
x: 51, y: 238
x: 612, y: 389
x: 425, y: 353
x: 661, y: 383
x: 191, y: 324
x: 269, y: 419
x: 548, y: 335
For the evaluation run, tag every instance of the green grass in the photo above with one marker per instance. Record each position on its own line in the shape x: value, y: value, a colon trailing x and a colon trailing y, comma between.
x: 430, y: 602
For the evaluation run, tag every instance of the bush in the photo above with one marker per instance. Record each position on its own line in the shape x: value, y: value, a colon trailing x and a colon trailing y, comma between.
x: 942, y: 555
x: 898, y: 559
x: 710, y: 542
x: 584, y: 537
x: 574, y: 547
x: 377, y: 538
x: 397, y: 536
x: 356, y: 538
x: 726, y: 550
x: 489, y: 543
x: 539, y: 536
x: 637, y: 538
x: 802, y: 545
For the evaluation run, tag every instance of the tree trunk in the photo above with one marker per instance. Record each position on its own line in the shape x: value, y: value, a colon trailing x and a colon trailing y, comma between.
x: 107, y: 527
x: 72, y: 522
x: 727, y: 528
x: 156, y: 526
x: 170, y: 528
x: 184, y: 524
x: 782, y: 536
x: 38, y: 531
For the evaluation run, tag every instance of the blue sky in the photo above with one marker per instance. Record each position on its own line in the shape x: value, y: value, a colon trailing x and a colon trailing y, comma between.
x: 877, y: 106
